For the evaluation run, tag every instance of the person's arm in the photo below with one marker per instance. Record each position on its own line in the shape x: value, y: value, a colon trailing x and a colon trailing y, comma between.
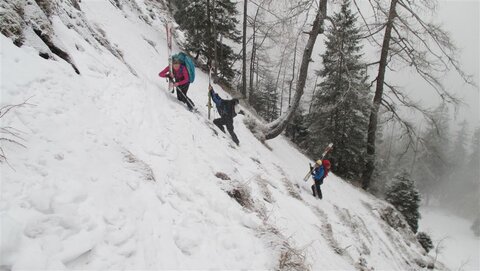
x: 215, y: 98
x: 165, y: 72
x: 186, y: 79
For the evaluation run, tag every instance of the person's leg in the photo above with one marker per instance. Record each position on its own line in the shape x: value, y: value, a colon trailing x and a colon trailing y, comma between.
x: 232, y: 133
x: 317, y: 187
x: 180, y: 96
x: 183, y: 96
x: 219, y: 122
x: 313, y: 190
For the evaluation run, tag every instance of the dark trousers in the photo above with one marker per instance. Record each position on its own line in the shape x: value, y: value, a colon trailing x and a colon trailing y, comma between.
x: 229, y: 124
x: 316, y: 189
x: 183, y: 95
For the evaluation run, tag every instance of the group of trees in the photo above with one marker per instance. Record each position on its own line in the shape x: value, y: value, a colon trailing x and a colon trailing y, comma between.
x: 208, y: 25
x: 347, y: 107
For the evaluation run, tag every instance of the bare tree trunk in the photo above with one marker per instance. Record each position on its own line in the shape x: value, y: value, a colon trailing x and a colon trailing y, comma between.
x: 275, y: 128
x: 244, y: 48
x: 283, y: 85
x: 252, y: 69
x: 253, y: 57
x: 313, y: 95
x: 293, y: 71
x: 372, y: 126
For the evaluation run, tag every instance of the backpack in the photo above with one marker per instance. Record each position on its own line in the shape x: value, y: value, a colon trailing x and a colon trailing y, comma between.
x: 187, y: 62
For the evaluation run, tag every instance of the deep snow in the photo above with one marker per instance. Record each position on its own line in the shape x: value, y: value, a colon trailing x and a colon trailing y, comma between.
x: 116, y: 174
x: 452, y: 237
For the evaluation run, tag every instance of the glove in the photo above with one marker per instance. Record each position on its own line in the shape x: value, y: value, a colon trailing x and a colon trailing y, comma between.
x: 311, y: 168
x: 241, y: 112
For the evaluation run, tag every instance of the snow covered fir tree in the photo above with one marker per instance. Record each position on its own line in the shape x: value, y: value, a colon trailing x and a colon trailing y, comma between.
x: 208, y: 24
x: 117, y: 152
x: 403, y: 194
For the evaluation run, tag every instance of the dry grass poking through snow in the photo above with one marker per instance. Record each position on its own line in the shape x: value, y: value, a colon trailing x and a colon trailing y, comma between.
x: 139, y: 166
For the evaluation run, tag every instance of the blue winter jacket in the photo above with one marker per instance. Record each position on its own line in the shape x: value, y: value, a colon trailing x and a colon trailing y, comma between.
x: 318, y: 173
x: 226, y: 108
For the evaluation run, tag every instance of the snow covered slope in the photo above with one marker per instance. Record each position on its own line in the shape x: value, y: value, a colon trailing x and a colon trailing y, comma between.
x: 116, y: 174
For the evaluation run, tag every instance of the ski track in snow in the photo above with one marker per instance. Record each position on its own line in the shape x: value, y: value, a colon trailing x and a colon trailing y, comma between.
x: 117, y: 174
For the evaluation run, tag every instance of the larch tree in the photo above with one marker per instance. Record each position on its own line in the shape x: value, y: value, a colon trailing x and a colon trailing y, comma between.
x: 408, y: 39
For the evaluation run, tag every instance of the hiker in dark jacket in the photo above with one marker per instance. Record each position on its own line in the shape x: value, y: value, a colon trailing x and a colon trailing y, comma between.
x: 319, y: 172
x: 226, y: 109
x: 179, y: 79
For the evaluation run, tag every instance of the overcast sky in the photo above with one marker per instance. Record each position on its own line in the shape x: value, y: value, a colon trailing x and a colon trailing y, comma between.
x: 462, y: 20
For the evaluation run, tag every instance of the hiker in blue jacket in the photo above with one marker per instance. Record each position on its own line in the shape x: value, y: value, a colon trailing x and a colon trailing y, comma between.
x: 319, y: 172
x: 226, y: 109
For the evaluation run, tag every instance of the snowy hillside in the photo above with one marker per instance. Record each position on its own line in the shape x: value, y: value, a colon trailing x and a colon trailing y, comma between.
x: 117, y: 174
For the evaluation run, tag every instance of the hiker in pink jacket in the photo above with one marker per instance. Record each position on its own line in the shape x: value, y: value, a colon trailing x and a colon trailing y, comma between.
x: 180, y: 80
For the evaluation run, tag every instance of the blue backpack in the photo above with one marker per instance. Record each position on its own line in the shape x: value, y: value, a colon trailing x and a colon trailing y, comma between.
x: 187, y: 62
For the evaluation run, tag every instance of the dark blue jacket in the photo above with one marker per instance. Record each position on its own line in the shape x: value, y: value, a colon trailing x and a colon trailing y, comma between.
x: 226, y: 108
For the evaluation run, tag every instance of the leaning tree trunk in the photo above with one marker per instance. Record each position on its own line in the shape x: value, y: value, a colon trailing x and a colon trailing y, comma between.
x: 372, y: 126
x: 275, y: 128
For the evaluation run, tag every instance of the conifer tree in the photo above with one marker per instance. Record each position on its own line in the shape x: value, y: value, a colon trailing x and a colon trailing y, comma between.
x: 265, y: 100
x: 425, y: 240
x: 208, y: 24
x: 402, y: 194
x: 341, y: 106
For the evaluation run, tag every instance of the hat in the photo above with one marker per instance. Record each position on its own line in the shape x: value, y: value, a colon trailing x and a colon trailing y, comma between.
x: 318, y: 162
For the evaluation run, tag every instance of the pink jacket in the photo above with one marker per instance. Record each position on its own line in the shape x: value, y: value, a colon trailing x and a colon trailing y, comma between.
x: 181, y: 75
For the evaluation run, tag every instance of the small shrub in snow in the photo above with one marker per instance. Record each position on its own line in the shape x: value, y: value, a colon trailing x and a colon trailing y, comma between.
x: 392, y: 217
x: 425, y: 240
x: 403, y: 194
x: 423, y: 264
x: 9, y: 134
x: 362, y: 265
x: 242, y: 195
x: 139, y: 166
x: 293, y: 190
x: 222, y: 176
x: 291, y: 258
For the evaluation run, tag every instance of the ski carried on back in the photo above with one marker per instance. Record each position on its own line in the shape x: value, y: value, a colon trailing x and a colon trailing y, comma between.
x: 325, y: 152
x: 168, y: 28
